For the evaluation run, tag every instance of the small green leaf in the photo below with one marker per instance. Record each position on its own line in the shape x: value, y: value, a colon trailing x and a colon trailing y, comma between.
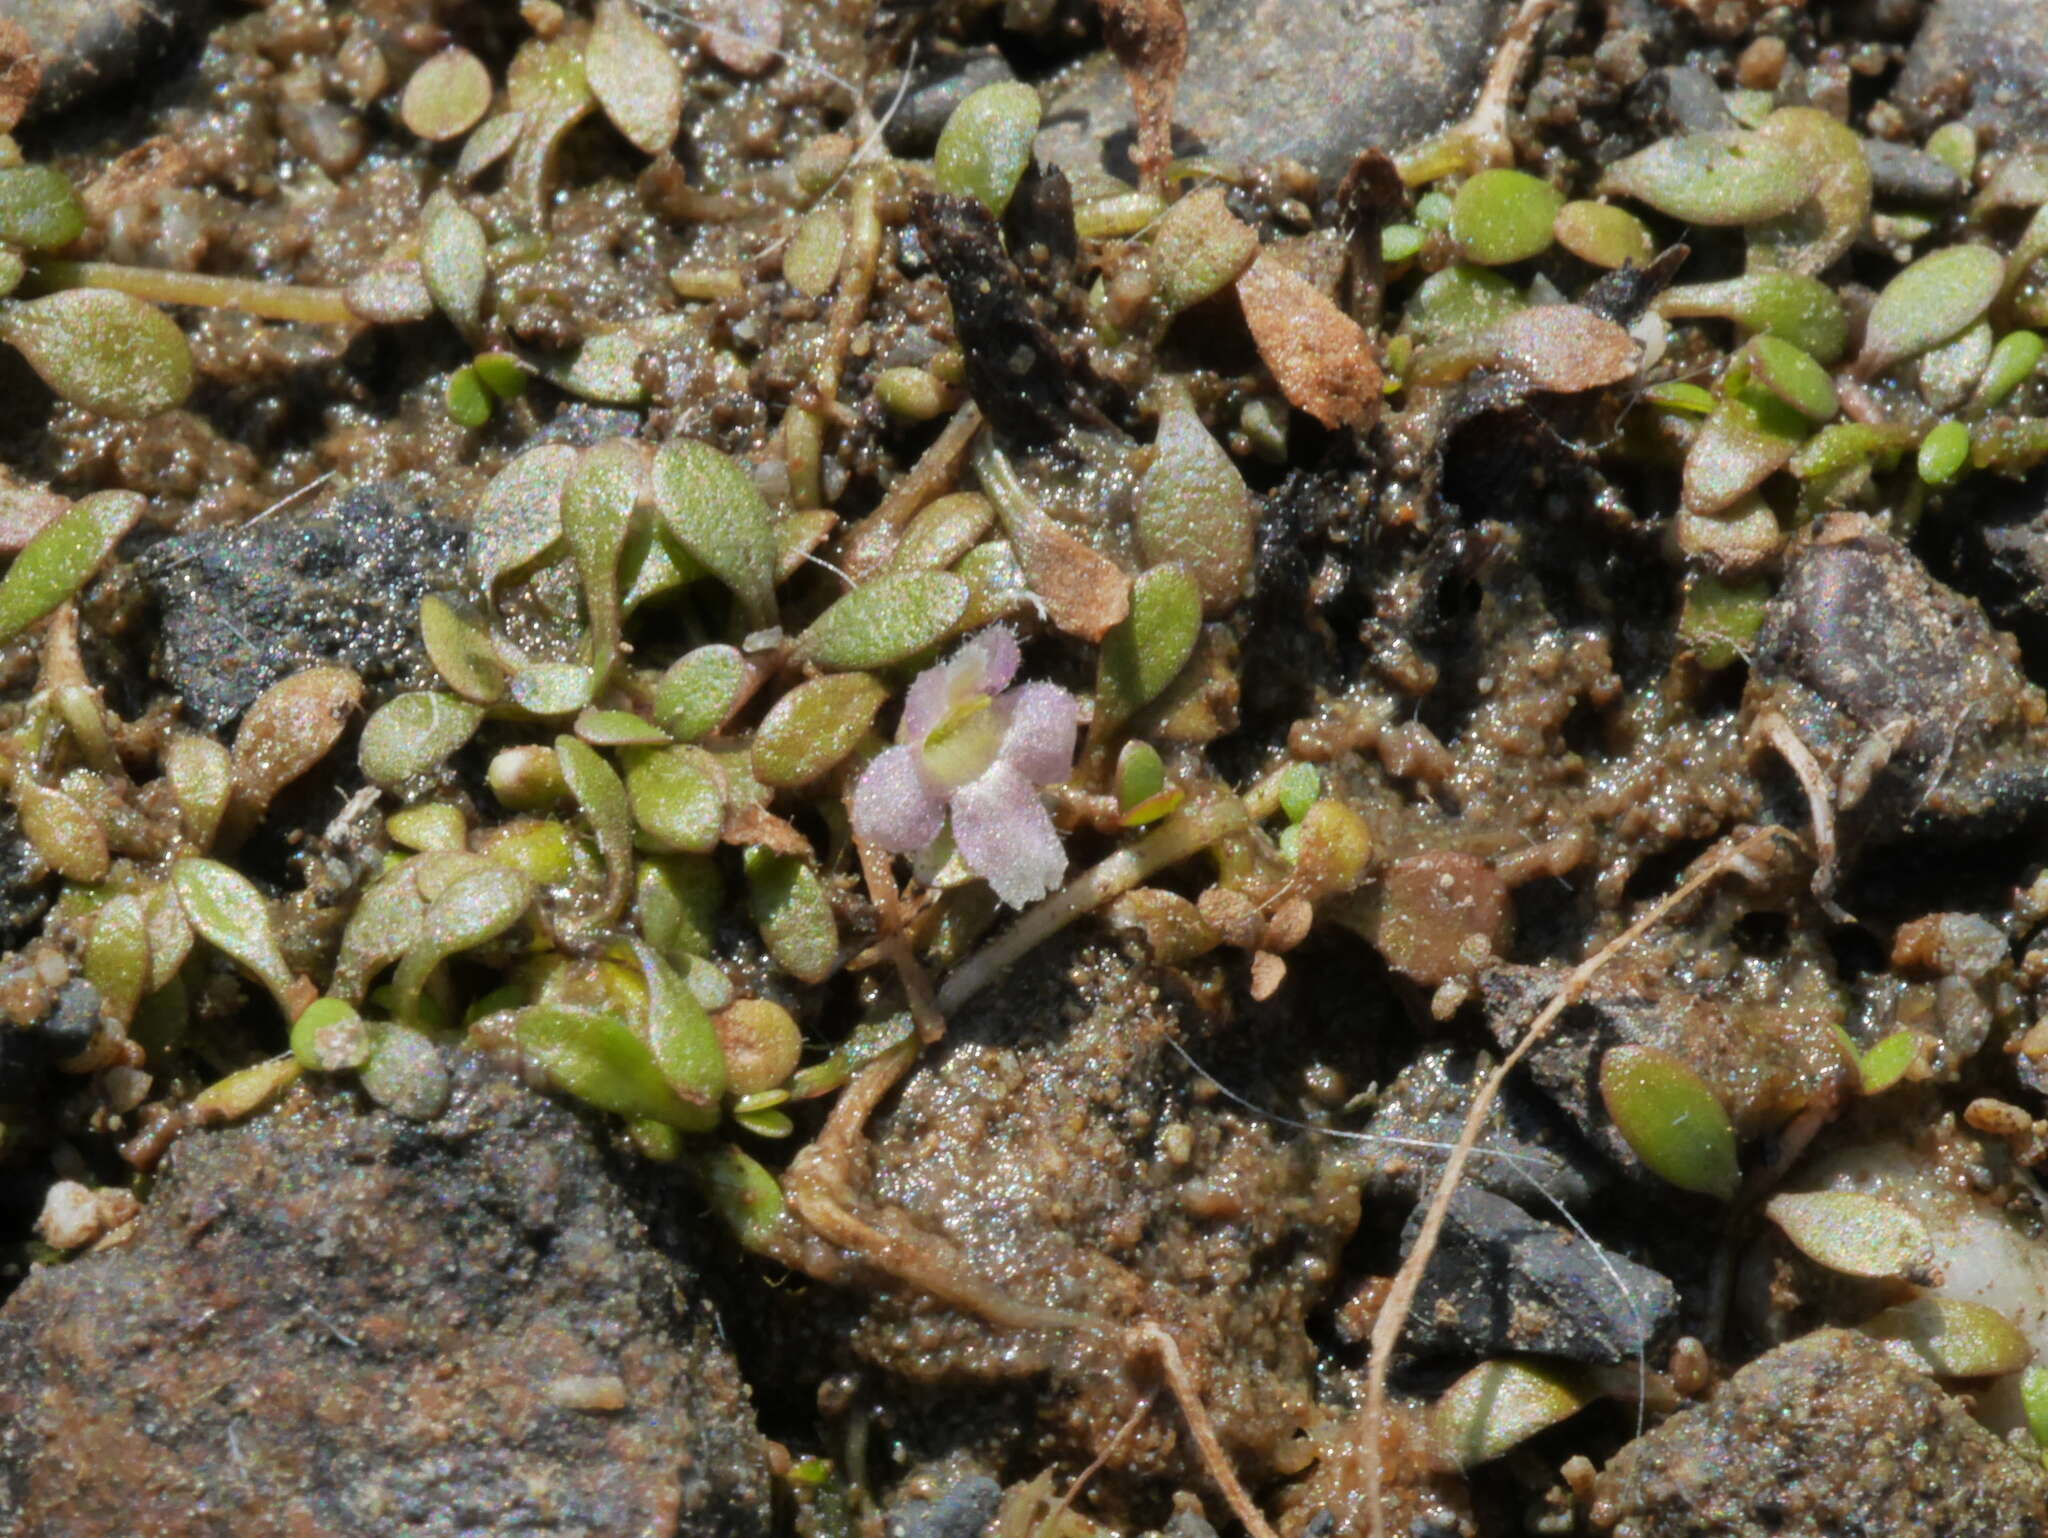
x: 745, y: 1195
x: 676, y: 899
x: 1855, y: 1233
x: 108, y: 352
x: 888, y: 620
x: 386, y: 923
x: 1737, y: 448
x: 1679, y: 395
x: 1791, y: 374
x: 1666, y: 1113
x: 231, y: 915
x: 1951, y: 1338
x: 619, y: 729
x: 460, y: 647
x: 412, y: 733
x: 597, y: 1059
x: 814, y: 727
x: 597, y: 515
x: 471, y: 910
x: 2012, y: 364
x: 677, y: 799
x: 243, y: 1092
x: 1499, y: 1405
x: 1300, y: 786
x: 1720, y: 621
x: 467, y: 402
x: 553, y: 688
x: 699, y: 691
x: 117, y: 961
x: 55, y: 565
x: 1603, y: 235
x: 39, y: 208
x: 1802, y: 310
x: 1193, y: 509
x: 1941, y: 295
x: 1813, y: 236
x: 501, y: 374
x: 1944, y: 452
x: 1198, y: 250
x: 2034, y: 1401
x: 602, y: 795
x: 1721, y: 178
x: 680, y: 1035
x: 635, y: 77
x: 716, y: 513
x: 518, y: 518
x: 1887, y: 1061
x: 64, y: 835
x: 330, y: 1037
x: 455, y: 262
x: 811, y: 261
x: 943, y: 532
x: 1501, y: 216
x: 1147, y: 650
x: 446, y: 96
x: 406, y: 1075
x: 986, y: 144
x: 1142, y: 794
x: 793, y: 914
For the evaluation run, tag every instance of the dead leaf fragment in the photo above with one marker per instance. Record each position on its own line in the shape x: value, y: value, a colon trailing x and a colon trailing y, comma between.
x: 1150, y: 41
x: 744, y: 35
x: 1320, y: 357
x: 21, y: 72
x: 1559, y: 347
x: 26, y: 508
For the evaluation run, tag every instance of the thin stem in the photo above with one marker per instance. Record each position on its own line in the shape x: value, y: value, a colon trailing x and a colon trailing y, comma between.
x: 271, y: 301
x: 1195, y: 828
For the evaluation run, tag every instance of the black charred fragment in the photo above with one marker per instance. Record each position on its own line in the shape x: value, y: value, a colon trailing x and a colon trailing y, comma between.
x: 1622, y: 295
x: 1015, y: 371
x: 1040, y: 225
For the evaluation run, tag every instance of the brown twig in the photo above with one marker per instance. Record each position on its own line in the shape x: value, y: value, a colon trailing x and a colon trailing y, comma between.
x: 1393, y: 1315
x: 1047, y: 1525
x: 1151, y: 1336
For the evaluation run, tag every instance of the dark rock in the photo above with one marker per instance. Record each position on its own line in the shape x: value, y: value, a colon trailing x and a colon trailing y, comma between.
x: 1900, y: 173
x: 1990, y: 56
x: 1826, y: 1435
x: 1900, y: 687
x: 1317, y: 80
x: 1015, y: 371
x: 939, y: 82
x: 1502, y: 1281
x: 26, y: 886
x: 1682, y: 99
x: 332, y: 1321
x: 962, y: 1512
x: 244, y: 607
x: 1522, y: 1153
x: 90, y: 46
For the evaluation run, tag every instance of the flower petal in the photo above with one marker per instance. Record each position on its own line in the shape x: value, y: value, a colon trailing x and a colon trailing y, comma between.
x: 1040, y: 742
x: 1006, y: 836
x: 892, y: 805
x: 984, y: 664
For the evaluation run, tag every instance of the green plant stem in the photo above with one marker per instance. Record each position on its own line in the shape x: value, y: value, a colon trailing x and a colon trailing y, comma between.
x: 272, y: 301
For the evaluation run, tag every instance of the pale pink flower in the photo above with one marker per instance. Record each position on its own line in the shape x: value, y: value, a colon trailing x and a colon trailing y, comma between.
x: 972, y: 746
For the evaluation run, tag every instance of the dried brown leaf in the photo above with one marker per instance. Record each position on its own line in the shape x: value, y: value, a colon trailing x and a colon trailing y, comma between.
x: 1150, y: 41
x: 744, y: 35
x: 1561, y: 347
x: 21, y: 72
x: 26, y: 509
x: 1320, y: 357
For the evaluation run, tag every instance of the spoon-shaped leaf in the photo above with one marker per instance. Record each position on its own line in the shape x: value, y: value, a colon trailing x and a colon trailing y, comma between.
x: 1951, y: 1338
x: 715, y: 511
x: 412, y: 733
x: 1193, y: 508
x: 455, y: 261
x: 106, y: 351
x: 602, y: 795
x: 1855, y: 1232
x: 231, y: 915
x: 1499, y: 1405
x: 1146, y: 652
x: 888, y: 620
x: 986, y: 144
x: 473, y: 910
x: 677, y: 799
x: 699, y: 691
x: 599, y: 1060
x: 635, y: 77
x: 680, y: 1034
x: 1714, y: 178
x: 597, y: 515
x: 1666, y: 1113
x: 793, y: 915
x: 814, y: 727
x: 60, y: 560
x: 64, y: 835
x: 1940, y: 296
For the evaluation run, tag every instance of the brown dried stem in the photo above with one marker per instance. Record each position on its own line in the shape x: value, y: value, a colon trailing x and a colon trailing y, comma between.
x: 271, y: 301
